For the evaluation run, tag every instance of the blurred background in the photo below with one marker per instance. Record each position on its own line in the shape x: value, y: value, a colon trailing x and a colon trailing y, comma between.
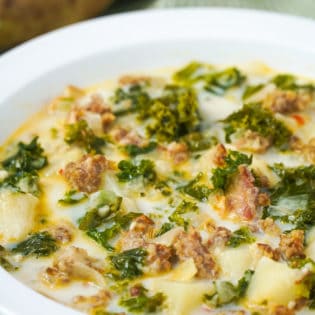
x: 23, y: 19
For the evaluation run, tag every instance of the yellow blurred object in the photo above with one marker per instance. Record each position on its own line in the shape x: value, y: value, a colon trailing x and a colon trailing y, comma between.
x: 23, y: 19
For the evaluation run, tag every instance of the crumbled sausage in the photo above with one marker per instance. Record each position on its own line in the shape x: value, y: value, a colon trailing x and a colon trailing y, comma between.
x: 85, y: 303
x: 63, y: 232
x: 252, y: 141
x: 269, y: 226
x: 189, y: 245
x: 282, y: 310
x: 159, y: 257
x: 86, y: 174
x: 286, y: 102
x: 220, y: 154
x: 124, y: 137
x: 242, y: 195
x: 178, y: 152
x: 263, y: 199
x: 268, y: 251
x: 141, y: 229
x: 139, y: 235
x: 220, y: 236
x: 73, y: 263
x: 95, y: 106
x: 292, y: 244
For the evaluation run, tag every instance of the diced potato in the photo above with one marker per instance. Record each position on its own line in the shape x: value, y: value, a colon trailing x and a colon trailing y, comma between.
x: 235, y: 261
x: 17, y: 213
x: 184, y: 271
x: 261, y: 167
x: 183, y: 297
x: 275, y: 283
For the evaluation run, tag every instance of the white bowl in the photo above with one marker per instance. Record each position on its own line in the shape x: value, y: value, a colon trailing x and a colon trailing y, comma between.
x: 103, y: 48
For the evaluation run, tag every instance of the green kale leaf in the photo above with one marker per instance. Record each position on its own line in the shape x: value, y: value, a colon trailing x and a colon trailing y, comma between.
x: 255, y: 118
x: 128, y: 264
x: 4, y: 262
x: 178, y: 215
x: 113, y: 226
x: 292, y: 198
x: 226, y: 292
x: 28, y: 158
x: 197, y: 141
x: 164, y: 228
x: 134, y: 99
x: 194, y: 189
x: 251, y: 90
x: 192, y: 73
x: 221, y: 175
x: 134, y: 150
x: 220, y: 82
x: 39, y: 244
x: 130, y: 171
x: 289, y: 82
x: 104, y: 204
x: 142, y: 303
x: 83, y: 136
x: 72, y: 197
x: 240, y: 236
x: 174, y: 114
x: 23, y: 167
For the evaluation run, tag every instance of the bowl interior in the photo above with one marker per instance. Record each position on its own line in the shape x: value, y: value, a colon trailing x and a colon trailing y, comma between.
x: 168, y: 40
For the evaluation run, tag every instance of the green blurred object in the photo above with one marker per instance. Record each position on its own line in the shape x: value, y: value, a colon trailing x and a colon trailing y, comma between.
x: 296, y: 7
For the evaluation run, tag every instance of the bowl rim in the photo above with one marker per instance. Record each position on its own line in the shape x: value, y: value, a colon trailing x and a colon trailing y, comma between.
x: 29, y: 60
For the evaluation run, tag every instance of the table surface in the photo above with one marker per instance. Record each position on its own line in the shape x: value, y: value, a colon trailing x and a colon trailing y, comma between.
x: 296, y: 7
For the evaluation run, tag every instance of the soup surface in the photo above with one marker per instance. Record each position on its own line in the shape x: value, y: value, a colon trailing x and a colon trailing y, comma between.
x: 187, y: 191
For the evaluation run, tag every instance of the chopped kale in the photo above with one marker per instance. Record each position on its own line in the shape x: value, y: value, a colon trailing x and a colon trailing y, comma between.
x: 4, y: 262
x: 191, y: 73
x: 221, y: 175
x: 164, y: 188
x: 240, y: 237
x: 217, y: 82
x: 28, y: 158
x: 289, y: 82
x: 292, y: 198
x: 128, y: 264
x: 143, y: 303
x: 38, y: 244
x: 136, y: 99
x: 174, y: 114
x: 226, y: 292
x: 251, y: 90
x: 26, y: 182
x: 183, y: 208
x: 194, y: 189
x: 22, y: 167
x: 83, y: 136
x: 114, y: 225
x: 104, y: 204
x: 258, y: 119
x: 220, y: 82
x: 196, y: 141
x: 164, y: 228
x: 72, y: 197
x: 134, y: 150
x: 130, y: 171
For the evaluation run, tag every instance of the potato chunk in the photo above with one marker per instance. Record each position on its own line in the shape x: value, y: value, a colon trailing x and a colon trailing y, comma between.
x: 17, y: 212
x: 274, y: 282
